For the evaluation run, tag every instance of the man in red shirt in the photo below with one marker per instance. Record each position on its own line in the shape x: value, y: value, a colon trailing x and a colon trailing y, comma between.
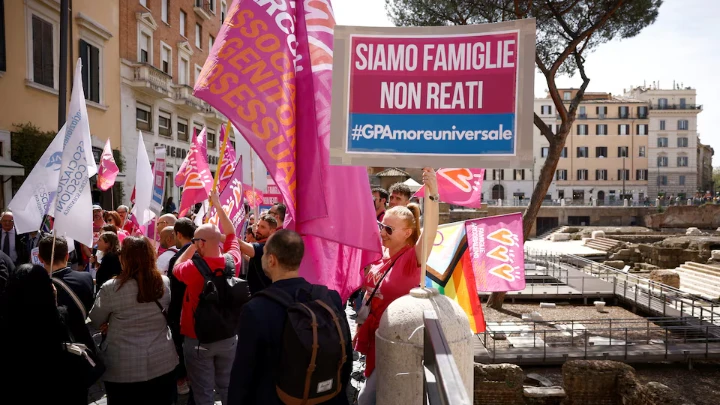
x: 208, y: 364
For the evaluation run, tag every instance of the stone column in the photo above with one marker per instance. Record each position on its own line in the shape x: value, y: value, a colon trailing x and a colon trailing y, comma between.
x: 399, y: 345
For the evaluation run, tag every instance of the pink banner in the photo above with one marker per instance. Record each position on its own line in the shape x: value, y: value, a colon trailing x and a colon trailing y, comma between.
x: 195, y: 175
x: 231, y: 199
x: 108, y: 170
x: 229, y: 162
x: 253, y: 196
x: 459, y: 186
x: 496, y: 249
x: 199, y: 143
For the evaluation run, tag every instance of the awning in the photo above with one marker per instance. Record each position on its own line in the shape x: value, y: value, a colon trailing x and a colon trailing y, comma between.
x: 10, y: 168
x: 414, y: 185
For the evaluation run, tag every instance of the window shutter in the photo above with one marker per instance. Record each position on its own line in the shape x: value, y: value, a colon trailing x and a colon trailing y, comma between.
x: 83, y: 48
x: 550, y: 110
x: 95, y: 74
x: 3, y: 56
x: 37, y: 49
x: 47, y: 54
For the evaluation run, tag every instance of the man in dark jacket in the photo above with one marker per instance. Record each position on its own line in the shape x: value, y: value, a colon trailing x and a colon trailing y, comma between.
x: 261, y: 328
x: 79, y: 282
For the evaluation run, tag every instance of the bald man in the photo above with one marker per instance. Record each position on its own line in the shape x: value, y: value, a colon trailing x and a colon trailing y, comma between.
x: 219, y: 355
x: 165, y: 221
x: 167, y: 243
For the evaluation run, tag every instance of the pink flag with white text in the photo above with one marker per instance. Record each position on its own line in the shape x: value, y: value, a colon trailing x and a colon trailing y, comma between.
x: 198, y: 143
x: 459, y: 186
x: 231, y: 199
x: 195, y: 176
x: 497, y: 252
x: 229, y: 162
x: 108, y: 170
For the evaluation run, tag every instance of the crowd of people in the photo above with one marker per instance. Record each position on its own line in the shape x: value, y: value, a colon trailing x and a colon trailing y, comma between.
x: 199, y: 311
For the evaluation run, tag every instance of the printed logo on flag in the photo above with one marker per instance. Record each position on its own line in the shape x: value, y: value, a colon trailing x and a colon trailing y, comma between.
x: 496, y: 251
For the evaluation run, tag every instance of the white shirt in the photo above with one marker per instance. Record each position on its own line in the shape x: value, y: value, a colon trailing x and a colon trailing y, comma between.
x: 163, y: 261
x: 11, y: 241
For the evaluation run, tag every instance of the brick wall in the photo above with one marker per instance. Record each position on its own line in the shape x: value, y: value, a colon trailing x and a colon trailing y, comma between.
x: 498, y: 384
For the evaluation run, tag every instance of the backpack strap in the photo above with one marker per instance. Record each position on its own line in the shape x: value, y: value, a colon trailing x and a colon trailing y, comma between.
x: 207, y: 272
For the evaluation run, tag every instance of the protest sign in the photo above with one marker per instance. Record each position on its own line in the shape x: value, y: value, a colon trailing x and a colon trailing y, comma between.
x: 158, y: 190
x: 459, y: 186
x: 434, y: 96
x: 496, y: 252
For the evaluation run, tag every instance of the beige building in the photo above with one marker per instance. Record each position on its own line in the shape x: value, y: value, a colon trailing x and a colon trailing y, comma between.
x: 705, y: 169
x: 164, y: 47
x: 606, y: 153
x: 673, y: 141
x: 29, y: 71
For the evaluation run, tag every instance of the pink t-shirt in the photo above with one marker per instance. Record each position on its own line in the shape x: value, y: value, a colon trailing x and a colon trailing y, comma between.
x: 404, y: 275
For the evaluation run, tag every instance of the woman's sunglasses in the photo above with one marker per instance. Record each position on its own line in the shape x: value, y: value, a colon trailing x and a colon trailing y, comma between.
x: 388, y: 229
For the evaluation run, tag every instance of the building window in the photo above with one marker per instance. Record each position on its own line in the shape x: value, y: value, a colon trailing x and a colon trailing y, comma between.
x: 197, y: 128
x: 662, y: 161
x: 624, y: 112
x: 42, y: 42
x: 561, y: 174
x: 544, y: 151
x: 166, y: 59
x: 183, y: 17
x: 223, y: 11
x: 601, y: 174
x: 623, y: 151
x: 662, y: 142
x: 519, y: 174
x: 164, y: 124
x: 211, y: 140
x: 601, y: 129
x: 642, y: 129
x: 563, y: 154
x: 198, y: 71
x: 683, y: 103
x: 642, y: 112
x: 681, y: 180
x: 498, y: 174
x: 198, y: 36
x: 3, y: 56
x: 567, y: 95
x: 546, y: 110
x: 211, y: 5
x: 583, y: 113
x: 682, y: 161
x: 662, y: 180
x: 682, y: 125
x: 164, y: 10
x: 601, y: 112
x: 90, y: 57
x: 182, y: 130
x: 582, y: 152
x: 662, y: 103
x: 582, y: 174
x: 582, y: 129
x: 623, y: 174
x: 143, y: 2
x: 601, y: 152
x: 682, y: 142
x: 641, y: 174
x: 641, y: 151
x: 211, y: 42
x: 662, y: 125
x: 183, y: 70
x: 624, y: 129
x: 145, y: 47
x: 143, y: 117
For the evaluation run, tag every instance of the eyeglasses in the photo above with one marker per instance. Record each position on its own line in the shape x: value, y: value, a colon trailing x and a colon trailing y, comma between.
x: 193, y: 240
x: 388, y: 229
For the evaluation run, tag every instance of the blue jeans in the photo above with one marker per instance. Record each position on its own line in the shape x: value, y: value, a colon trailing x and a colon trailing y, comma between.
x: 208, y: 366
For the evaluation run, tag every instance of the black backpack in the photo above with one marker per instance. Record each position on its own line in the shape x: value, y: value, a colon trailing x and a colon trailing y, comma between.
x: 222, y: 297
x: 313, y: 347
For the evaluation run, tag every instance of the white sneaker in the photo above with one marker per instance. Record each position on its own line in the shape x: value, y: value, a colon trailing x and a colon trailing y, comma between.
x: 182, y: 387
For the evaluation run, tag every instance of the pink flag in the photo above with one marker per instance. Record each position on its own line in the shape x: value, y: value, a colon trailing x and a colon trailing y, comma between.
x: 253, y: 196
x: 229, y: 162
x: 459, y: 186
x: 231, y: 199
x: 108, y: 170
x: 496, y: 248
x: 194, y: 176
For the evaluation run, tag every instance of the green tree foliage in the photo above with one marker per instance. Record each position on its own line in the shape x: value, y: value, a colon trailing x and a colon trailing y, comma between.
x: 567, y: 30
x: 28, y: 145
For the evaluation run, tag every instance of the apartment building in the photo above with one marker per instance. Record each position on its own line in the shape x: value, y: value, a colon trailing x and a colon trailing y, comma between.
x: 605, y: 157
x: 30, y: 74
x: 164, y: 45
x: 673, y: 139
x: 706, y: 185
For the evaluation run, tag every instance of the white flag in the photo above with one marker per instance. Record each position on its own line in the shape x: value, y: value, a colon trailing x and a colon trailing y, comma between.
x: 201, y: 213
x: 31, y: 201
x: 73, y: 201
x: 143, y: 185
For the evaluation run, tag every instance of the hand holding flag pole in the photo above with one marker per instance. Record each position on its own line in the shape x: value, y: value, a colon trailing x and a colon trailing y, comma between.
x: 228, y: 127
x: 430, y: 225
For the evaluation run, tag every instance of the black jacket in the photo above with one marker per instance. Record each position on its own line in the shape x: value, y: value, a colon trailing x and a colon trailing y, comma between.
x: 81, y: 283
x: 259, y: 348
x: 177, y: 294
x: 109, y: 268
x: 7, y: 268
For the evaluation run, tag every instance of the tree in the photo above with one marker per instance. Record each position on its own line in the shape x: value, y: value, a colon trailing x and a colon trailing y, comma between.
x: 567, y: 30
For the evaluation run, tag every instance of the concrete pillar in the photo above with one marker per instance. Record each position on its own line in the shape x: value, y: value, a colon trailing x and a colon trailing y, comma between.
x: 399, y: 345
x: 657, y: 202
x: 625, y: 202
x: 499, y: 202
x: 562, y: 202
x: 690, y: 201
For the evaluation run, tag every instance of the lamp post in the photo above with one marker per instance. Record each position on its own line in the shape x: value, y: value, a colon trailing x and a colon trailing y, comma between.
x: 623, y: 174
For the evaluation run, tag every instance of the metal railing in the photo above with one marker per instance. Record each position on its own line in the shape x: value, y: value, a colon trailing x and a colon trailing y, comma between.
x: 676, y: 106
x: 442, y: 382
x: 643, y: 292
x: 577, y: 335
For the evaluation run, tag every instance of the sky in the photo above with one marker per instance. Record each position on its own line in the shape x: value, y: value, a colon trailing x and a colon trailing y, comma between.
x: 681, y: 46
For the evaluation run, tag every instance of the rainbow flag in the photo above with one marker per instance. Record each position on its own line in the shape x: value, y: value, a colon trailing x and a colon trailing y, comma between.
x: 449, y: 269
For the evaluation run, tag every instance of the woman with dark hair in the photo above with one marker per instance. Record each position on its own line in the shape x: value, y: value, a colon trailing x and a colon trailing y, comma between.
x: 109, y: 245
x: 33, y: 340
x: 140, y: 355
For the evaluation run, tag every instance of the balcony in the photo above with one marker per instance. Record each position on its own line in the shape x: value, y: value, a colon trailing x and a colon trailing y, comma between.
x: 210, y: 113
x: 185, y: 100
x: 203, y: 9
x: 675, y: 106
x: 152, y: 82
